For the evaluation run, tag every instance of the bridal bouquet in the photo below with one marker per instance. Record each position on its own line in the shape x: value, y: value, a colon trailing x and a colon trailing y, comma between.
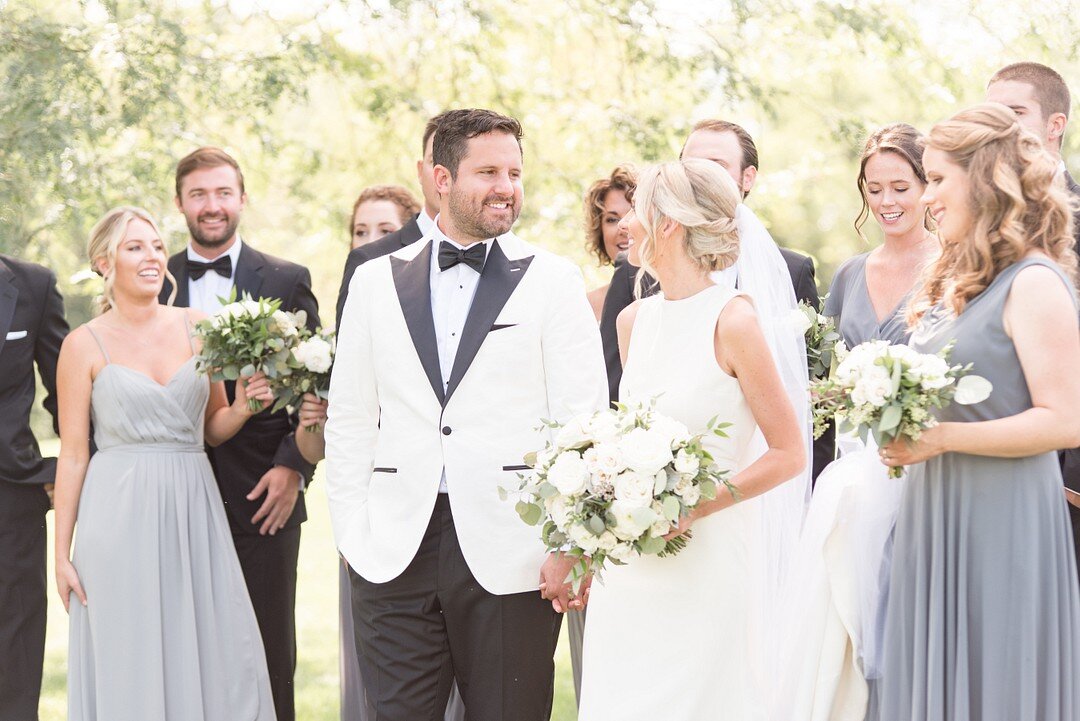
x: 822, y: 338
x: 615, y: 482
x: 890, y: 391
x: 310, y: 358
x: 247, y: 336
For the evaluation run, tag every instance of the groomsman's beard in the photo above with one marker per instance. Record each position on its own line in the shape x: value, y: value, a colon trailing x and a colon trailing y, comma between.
x: 469, y: 216
x: 217, y: 239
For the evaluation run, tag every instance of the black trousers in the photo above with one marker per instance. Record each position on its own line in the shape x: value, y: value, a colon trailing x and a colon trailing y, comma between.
x: 22, y: 599
x: 269, y: 565
x: 414, y: 634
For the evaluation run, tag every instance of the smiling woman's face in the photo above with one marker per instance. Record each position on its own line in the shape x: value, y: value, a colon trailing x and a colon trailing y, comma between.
x: 616, y: 206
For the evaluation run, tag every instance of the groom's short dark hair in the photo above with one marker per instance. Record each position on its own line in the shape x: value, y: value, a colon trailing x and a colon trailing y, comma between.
x: 746, y: 143
x: 458, y: 127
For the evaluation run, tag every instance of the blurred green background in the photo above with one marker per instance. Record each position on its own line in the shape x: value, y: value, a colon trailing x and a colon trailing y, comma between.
x: 320, y: 98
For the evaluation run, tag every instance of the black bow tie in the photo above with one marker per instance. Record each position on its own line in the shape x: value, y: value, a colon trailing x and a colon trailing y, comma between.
x: 473, y: 256
x: 222, y: 266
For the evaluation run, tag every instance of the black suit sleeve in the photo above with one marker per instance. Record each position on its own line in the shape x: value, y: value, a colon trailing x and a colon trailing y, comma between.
x: 806, y: 284
x: 302, y: 298
x: 353, y: 261
x: 52, y: 328
x: 619, y: 295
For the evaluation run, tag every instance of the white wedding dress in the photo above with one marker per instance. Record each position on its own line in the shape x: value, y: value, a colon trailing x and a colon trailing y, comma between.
x: 680, y: 638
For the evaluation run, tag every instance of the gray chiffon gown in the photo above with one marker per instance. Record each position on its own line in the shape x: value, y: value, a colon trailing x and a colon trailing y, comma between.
x: 168, y: 632
x: 849, y: 303
x: 983, y: 615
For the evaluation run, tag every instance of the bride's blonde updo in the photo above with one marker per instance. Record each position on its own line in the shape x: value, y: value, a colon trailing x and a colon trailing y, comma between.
x: 1017, y: 202
x: 698, y: 195
x: 105, y: 239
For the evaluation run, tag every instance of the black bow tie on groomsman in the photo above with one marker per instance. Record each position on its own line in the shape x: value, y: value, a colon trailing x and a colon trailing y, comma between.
x: 222, y: 266
x: 473, y: 256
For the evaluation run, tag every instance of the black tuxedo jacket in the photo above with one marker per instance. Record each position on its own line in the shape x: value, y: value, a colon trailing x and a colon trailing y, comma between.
x: 267, y: 439
x: 32, y: 327
x: 621, y: 294
x: 405, y: 235
x: 1070, y: 459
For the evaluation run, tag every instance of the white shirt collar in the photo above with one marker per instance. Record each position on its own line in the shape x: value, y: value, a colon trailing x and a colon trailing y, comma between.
x: 1061, y: 169
x: 233, y: 253
x: 425, y: 221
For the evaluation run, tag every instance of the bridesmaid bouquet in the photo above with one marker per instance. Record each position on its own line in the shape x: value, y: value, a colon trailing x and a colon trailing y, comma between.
x: 247, y: 336
x: 822, y: 339
x: 310, y: 359
x: 890, y: 391
x: 615, y: 482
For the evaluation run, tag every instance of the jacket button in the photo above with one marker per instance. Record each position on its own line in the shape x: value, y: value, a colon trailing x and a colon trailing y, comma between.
x: 446, y: 430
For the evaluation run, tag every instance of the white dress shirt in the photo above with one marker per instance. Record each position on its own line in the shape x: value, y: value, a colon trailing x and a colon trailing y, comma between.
x: 452, y: 292
x: 203, y: 293
x: 426, y: 223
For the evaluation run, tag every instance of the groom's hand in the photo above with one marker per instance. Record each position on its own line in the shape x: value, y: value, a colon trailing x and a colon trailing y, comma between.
x: 281, y: 486
x: 553, y: 585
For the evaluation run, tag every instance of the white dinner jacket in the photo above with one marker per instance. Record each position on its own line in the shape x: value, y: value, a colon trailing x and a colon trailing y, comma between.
x: 530, y: 350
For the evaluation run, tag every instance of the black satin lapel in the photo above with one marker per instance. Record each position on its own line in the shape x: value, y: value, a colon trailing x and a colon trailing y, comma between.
x: 247, y: 278
x: 412, y: 280
x: 178, y: 269
x: 9, y: 296
x: 498, y: 281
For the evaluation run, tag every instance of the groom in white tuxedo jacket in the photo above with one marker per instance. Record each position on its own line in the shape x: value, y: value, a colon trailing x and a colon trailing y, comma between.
x: 453, y: 350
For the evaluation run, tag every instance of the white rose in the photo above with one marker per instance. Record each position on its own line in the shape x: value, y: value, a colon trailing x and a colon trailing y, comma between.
x: 622, y: 552
x: 630, y: 520
x: 583, y: 538
x: 645, y: 451
x: 692, y: 495
x: 634, y: 488
x: 604, y: 428
x: 800, y: 321
x: 559, y: 510
x: 232, y: 310
x: 681, y: 485
x: 251, y: 307
x: 606, y: 460
x: 574, y: 433
x: 314, y: 354
x: 606, y: 541
x: 876, y: 389
x: 687, y: 463
x: 569, y: 473
x: 675, y: 432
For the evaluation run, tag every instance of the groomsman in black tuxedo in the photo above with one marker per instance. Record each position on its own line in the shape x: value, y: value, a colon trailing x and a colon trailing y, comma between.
x: 260, y: 472
x: 1040, y: 98
x: 732, y: 147
x: 32, y: 327
x: 412, y: 231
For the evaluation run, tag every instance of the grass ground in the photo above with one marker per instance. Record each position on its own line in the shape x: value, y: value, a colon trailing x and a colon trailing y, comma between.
x: 317, y: 631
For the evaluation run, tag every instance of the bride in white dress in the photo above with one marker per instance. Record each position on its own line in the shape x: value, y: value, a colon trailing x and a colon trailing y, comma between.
x: 681, y: 637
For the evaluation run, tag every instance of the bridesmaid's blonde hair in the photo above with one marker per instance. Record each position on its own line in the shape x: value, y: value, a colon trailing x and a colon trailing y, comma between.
x: 1017, y: 201
x: 104, y: 240
x: 698, y: 195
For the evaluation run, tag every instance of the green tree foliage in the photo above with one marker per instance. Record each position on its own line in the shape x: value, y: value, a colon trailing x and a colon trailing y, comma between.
x: 320, y: 98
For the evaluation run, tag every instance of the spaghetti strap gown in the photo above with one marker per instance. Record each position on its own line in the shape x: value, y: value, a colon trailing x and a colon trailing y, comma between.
x: 674, y: 638
x: 983, y: 616
x: 168, y: 632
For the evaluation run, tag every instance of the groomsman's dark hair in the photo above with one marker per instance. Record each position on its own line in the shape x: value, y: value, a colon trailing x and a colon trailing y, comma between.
x: 206, y: 157
x: 1050, y: 88
x: 430, y: 128
x: 746, y: 143
x: 458, y: 127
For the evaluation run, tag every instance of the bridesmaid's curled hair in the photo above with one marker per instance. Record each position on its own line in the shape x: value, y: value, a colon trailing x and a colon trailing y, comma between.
x: 1017, y: 202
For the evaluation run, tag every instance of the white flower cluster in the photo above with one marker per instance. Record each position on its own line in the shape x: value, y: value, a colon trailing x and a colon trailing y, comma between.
x: 892, y: 391
x: 315, y: 354
x: 614, y: 483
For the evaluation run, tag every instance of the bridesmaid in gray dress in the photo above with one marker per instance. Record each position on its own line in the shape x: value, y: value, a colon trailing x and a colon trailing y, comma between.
x: 983, y: 619
x: 161, y: 625
x: 869, y: 292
